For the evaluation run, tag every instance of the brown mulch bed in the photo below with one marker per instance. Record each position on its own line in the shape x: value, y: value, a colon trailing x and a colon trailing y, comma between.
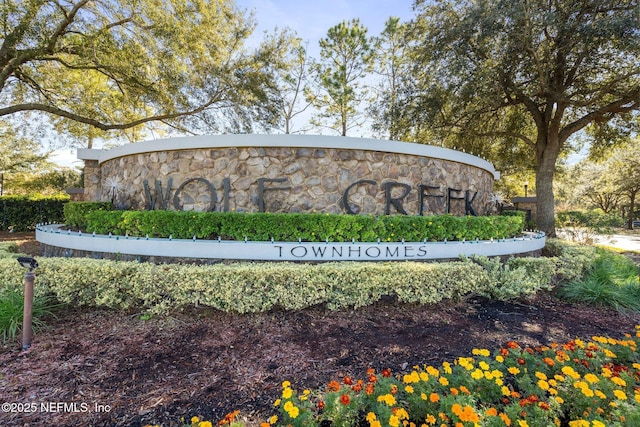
x: 207, y: 363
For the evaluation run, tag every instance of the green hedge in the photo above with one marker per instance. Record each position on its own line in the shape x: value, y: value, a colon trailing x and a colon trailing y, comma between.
x: 594, y: 219
x: 75, y: 213
x: 257, y: 287
x: 307, y: 227
x: 23, y: 213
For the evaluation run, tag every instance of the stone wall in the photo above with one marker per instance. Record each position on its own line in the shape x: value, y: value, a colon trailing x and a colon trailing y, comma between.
x: 289, y: 179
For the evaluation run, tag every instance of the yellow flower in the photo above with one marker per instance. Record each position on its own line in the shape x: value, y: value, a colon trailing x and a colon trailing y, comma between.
x: 499, y: 359
x: 505, y: 391
x: 286, y: 384
x: 569, y: 371
x: 394, y: 421
x: 619, y: 394
x: 288, y: 406
x: 409, y: 389
x: 273, y: 419
x: 431, y: 419
x: 388, y: 399
x: 424, y: 377
x: 446, y: 367
x: 543, y: 384
x: 480, y: 352
x: 522, y: 423
x: 205, y: 424
x: 591, y: 378
x: 513, y: 370
x: 444, y: 381
x: 371, y: 417
x: 423, y: 396
x: 619, y: 381
x: 294, y: 412
x: 477, y: 374
x: 541, y: 376
x: 287, y: 393
x: 277, y: 403
x: 484, y: 365
x: 195, y: 420
x: 596, y: 423
x: 433, y: 371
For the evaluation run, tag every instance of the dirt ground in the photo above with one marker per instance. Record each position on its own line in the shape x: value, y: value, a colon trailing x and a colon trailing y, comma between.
x: 121, y: 370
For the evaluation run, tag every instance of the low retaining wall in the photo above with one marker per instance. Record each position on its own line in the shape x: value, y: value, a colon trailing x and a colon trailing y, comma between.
x: 58, y: 242
x: 290, y: 173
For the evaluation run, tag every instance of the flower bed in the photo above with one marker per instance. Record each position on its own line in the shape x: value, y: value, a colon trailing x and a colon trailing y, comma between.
x: 580, y: 383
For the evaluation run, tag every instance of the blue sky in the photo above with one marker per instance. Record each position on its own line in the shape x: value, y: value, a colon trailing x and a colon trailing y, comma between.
x: 311, y: 19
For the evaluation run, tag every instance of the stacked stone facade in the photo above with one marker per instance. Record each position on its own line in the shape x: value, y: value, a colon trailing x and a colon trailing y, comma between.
x: 290, y: 179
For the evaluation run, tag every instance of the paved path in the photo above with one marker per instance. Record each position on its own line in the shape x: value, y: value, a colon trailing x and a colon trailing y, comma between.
x: 621, y: 241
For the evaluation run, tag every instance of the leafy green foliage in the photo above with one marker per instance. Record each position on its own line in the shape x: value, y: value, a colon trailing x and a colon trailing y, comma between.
x: 258, y: 287
x: 22, y: 213
x: 614, y: 281
x: 11, y: 312
x: 306, y: 227
x: 121, y: 64
x: 517, y: 277
x: 75, y: 213
x: 519, y: 79
x: 345, y: 57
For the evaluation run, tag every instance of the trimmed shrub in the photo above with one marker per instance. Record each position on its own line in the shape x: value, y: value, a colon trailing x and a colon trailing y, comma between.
x: 23, y: 213
x: 306, y: 227
x: 75, y: 213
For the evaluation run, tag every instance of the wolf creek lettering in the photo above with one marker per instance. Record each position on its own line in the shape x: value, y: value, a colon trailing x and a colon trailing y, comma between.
x: 161, y: 196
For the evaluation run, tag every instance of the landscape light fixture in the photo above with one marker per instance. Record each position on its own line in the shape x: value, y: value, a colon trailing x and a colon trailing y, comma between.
x: 27, y: 314
x: 526, y: 187
x: 28, y: 262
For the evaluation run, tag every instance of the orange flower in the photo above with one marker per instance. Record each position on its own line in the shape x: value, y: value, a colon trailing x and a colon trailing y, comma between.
x: 345, y: 399
x: 454, y: 391
x: 394, y: 389
x: 512, y: 344
x: 386, y: 373
x: 369, y: 389
x: 505, y: 419
x: 492, y: 412
x: 549, y: 361
x: 347, y: 381
x: 433, y: 397
x: 228, y: 419
x: 544, y: 405
x: 371, y: 371
x: 334, y: 386
x: 464, y: 390
x: 321, y: 405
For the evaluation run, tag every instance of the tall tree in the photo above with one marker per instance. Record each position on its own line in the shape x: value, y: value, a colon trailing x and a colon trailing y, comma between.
x: 624, y: 169
x: 528, y: 71
x: 119, y: 64
x: 345, y: 59
x: 391, y: 66
x: 17, y: 152
x: 293, y: 84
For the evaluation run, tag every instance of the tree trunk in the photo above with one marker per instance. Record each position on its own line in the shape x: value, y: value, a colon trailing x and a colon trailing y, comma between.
x: 632, y: 204
x: 547, y: 150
